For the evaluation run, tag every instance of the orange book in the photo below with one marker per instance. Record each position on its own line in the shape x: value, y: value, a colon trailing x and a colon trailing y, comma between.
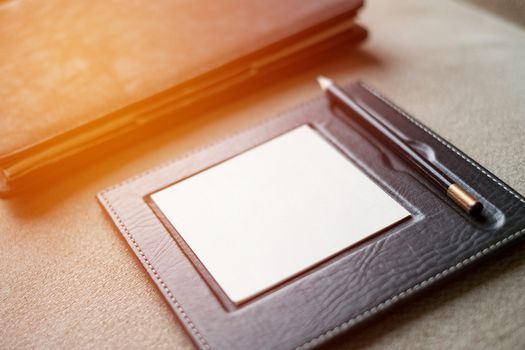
x: 76, y: 74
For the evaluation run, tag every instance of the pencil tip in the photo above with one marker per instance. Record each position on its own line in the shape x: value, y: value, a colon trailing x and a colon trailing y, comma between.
x: 324, y: 82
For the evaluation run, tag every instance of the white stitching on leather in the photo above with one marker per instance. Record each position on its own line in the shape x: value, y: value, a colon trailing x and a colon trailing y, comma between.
x: 345, y: 325
x: 161, y: 281
x: 437, y: 137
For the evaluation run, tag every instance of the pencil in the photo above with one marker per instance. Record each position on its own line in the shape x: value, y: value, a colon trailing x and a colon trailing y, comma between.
x: 459, y: 195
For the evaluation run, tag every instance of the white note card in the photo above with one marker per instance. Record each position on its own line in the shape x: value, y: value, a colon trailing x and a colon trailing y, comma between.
x: 276, y: 210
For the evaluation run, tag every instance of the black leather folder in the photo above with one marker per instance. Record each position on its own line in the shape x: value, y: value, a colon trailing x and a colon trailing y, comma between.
x: 438, y: 240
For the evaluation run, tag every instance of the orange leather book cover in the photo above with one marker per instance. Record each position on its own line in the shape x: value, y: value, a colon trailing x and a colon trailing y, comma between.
x: 76, y: 73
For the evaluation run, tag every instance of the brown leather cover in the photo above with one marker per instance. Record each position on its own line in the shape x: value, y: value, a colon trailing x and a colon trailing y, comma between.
x: 437, y: 241
x: 72, y: 66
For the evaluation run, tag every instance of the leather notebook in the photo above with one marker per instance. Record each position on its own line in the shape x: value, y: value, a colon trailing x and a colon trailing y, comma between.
x: 436, y: 241
x: 76, y: 75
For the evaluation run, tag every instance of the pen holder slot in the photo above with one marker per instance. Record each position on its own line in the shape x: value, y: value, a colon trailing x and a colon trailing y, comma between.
x: 491, y: 218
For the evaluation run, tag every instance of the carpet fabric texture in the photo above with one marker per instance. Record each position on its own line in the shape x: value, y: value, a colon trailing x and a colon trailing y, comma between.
x: 69, y: 281
x: 513, y: 10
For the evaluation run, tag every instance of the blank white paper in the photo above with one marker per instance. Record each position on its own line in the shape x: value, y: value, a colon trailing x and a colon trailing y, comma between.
x: 276, y: 210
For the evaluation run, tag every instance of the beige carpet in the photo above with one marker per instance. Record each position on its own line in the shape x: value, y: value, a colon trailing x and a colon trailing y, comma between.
x: 68, y: 280
x: 513, y: 10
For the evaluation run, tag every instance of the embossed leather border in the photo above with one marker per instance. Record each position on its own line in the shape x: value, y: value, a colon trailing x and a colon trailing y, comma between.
x: 354, y: 285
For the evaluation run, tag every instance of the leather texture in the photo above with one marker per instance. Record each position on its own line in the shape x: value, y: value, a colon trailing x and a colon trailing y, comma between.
x: 438, y: 241
x: 80, y: 68
x: 47, y: 161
